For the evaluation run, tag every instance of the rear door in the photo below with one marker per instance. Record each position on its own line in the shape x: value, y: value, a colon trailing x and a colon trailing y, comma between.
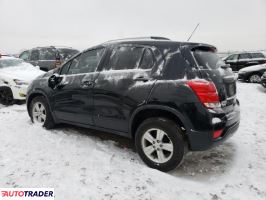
x: 213, y: 68
x: 244, y: 60
x: 123, y: 84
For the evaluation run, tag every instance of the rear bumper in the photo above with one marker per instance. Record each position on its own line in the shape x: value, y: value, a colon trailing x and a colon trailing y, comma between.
x: 229, y: 123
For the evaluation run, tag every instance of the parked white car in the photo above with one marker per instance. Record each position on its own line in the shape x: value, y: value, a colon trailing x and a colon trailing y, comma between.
x: 15, y: 76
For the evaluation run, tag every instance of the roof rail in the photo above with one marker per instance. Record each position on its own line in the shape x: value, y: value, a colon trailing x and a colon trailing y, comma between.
x: 138, y: 38
x: 52, y: 46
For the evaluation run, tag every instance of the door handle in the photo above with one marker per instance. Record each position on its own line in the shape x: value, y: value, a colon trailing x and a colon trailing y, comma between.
x: 87, y: 84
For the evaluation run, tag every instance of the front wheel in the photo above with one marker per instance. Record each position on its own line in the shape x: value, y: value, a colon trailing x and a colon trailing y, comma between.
x: 255, y: 78
x: 6, y: 96
x: 40, y: 112
x: 160, y: 144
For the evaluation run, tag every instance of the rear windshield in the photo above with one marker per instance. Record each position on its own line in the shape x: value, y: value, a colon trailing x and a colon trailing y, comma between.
x: 208, y: 59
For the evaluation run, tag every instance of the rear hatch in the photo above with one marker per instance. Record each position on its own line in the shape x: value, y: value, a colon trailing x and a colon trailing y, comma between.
x: 213, y: 68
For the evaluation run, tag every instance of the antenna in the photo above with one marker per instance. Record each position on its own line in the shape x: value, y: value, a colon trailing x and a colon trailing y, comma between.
x: 193, y: 31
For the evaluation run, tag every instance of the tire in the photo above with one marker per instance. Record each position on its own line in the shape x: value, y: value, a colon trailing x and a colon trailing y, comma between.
x: 171, y: 140
x: 6, y: 96
x: 254, y: 78
x: 41, y: 103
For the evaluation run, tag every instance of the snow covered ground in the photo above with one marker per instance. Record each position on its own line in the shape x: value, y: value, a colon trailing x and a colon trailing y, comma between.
x: 85, y: 164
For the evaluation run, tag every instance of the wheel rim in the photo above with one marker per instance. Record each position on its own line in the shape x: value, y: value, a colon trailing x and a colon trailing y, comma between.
x: 157, y: 146
x: 39, y: 113
x: 255, y: 78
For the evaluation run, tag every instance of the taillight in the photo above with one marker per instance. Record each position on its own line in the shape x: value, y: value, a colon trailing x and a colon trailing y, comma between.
x: 206, y: 92
x: 217, y: 134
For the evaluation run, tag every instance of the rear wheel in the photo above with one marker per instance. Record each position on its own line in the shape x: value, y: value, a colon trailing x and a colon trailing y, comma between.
x: 40, y: 112
x: 160, y: 144
x: 6, y: 96
x: 255, y: 78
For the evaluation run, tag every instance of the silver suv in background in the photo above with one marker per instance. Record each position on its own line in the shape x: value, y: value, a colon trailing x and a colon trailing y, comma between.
x: 48, y: 58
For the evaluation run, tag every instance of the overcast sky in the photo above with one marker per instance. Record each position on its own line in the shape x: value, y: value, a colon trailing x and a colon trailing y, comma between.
x: 227, y: 24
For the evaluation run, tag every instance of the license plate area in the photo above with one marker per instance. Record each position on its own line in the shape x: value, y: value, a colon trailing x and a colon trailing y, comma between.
x: 230, y: 89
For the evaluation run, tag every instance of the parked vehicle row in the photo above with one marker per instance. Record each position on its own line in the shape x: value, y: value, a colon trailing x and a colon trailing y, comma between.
x: 245, y: 59
x: 167, y: 96
x: 48, y: 58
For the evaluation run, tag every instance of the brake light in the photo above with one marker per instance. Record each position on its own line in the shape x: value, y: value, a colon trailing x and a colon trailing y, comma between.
x: 217, y: 134
x: 206, y: 92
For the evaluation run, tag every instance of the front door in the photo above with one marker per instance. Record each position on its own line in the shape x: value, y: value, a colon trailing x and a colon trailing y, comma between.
x: 73, y: 98
x: 232, y: 61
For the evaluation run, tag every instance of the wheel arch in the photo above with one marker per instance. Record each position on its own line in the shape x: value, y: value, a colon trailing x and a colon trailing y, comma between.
x: 148, y: 111
x: 35, y: 94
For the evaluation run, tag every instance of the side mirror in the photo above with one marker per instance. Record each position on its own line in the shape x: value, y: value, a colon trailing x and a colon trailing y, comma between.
x: 57, y: 82
x: 53, y: 81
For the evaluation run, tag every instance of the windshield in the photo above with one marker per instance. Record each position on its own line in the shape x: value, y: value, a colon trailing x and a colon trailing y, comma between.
x: 67, y: 53
x: 10, y: 63
x: 208, y: 59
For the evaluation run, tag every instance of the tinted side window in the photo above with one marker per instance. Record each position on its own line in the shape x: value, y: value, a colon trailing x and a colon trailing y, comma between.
x: 67, y: 53
x: 24, y: 55
x: 125, y: 57
x: 147, y: 61
x: 64, y: 68
x: 244, y: 56
x: 47, y: 54
x: 232, y: 57
x: 73, y: 68
x: 257, y: 55
x: 35, y: 55
x: 87, y: 62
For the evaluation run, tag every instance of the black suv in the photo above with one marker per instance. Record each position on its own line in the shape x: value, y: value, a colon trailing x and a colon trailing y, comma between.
x: 48, y: 58
x: 245, y: 59
x: 168, y: 96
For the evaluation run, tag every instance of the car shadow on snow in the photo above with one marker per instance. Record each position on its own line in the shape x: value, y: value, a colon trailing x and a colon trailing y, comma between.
x: 261, y: 88
x: 196, y: 165
x: 206, y: 164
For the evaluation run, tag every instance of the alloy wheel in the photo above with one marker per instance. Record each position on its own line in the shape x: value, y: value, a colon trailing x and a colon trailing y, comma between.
x: 157, y: 146
x: 255, y: 78
x: 39, y: 113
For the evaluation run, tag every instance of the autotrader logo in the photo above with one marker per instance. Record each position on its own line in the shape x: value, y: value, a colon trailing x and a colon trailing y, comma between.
x: 26, y: 193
